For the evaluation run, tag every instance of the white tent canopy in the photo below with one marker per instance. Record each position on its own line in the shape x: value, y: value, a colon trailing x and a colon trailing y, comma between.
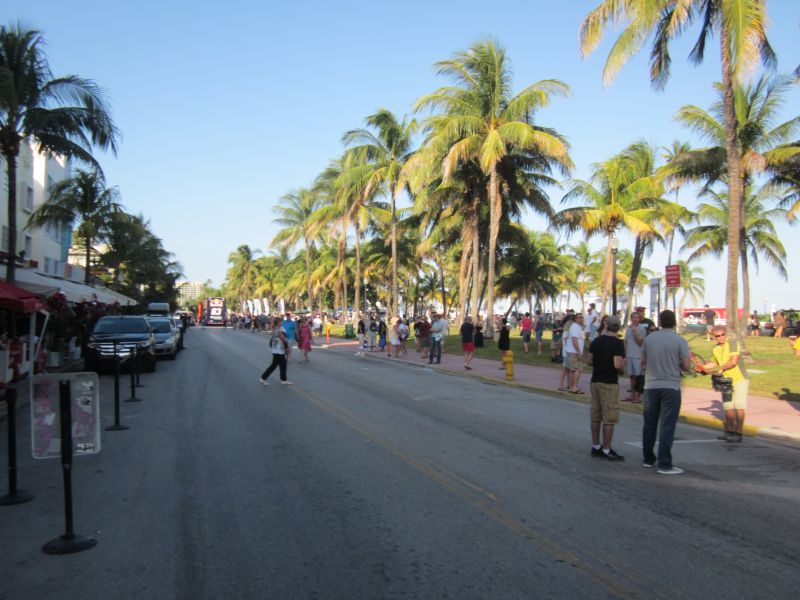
x: 47, y: 285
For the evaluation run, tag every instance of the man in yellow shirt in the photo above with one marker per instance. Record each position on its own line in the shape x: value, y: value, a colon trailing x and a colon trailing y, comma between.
x: 726, y: 362
x: 795, y: 341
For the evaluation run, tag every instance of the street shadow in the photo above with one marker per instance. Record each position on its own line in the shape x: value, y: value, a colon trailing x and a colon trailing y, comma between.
x: 793, y: 398
x: 714, y: 409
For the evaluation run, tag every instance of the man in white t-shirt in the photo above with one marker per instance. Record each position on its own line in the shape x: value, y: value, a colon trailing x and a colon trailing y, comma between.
x: 592, y: 321
x: 634, y: 340
x: 574, y: 344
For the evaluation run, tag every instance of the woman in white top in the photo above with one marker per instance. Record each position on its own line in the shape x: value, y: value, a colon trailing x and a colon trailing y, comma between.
x: 394, y: 339
x: 278, y: 344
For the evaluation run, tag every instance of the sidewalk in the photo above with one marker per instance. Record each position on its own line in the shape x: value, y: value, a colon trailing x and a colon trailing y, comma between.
x: 766, y: 417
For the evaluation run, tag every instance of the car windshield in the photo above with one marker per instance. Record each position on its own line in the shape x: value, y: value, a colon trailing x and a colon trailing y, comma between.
x: 121, y: 326
x: 161, y: 326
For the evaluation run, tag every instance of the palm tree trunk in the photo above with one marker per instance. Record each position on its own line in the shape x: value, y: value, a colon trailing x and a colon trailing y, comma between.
x: 476, y: 259
x: 357, y: 288
x: 735, y: 188
x: 606, y: 284
x: 494, y: 230
x: 463, y: 279
x: 308, y: 276
x: 444, y: 291
x: 636, y: 267
x: 88, y: 258
x: 10, y: 149
x: 343, y: 270
x: 745, y: 302
x: 395, y: 287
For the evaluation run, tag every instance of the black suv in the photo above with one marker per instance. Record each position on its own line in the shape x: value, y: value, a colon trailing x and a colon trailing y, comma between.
x: 127, y: 332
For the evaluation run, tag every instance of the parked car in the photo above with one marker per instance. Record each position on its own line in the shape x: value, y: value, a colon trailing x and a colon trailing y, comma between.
x: 180, y: 326
x: 126, y: 334
x: 166, y: 336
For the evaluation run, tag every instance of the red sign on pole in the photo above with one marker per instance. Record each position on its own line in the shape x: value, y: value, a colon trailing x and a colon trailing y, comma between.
x: 673, y: 276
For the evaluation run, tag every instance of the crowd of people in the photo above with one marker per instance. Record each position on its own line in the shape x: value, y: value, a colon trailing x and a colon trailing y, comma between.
x: 653, y: 358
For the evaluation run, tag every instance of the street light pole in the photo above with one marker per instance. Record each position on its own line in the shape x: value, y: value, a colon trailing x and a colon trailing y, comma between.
x: 366, y: 281
x: 614, y: 247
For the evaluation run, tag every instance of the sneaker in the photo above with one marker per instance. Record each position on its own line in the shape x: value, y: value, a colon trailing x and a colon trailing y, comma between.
x: 736, y: 438
x: 612, y: 455
x: 597, y: 452
x: 648, y: 465
x: 726, y: 437
x: 286, y: 383
x: 263, y: 381
x: 670, y: 471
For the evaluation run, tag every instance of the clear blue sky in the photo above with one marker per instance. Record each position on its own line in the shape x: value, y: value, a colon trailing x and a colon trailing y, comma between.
x: 225, y: 107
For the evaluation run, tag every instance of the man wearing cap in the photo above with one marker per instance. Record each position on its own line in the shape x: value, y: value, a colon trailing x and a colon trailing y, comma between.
x: 607, y: 359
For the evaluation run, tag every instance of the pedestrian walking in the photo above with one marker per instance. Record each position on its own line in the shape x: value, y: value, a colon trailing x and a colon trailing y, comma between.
x: 290, y: 332
x: 607, y: 359
x: 278, y: 345
x: 304, y: 335
x: 664, y: 354
x: 468, y: 341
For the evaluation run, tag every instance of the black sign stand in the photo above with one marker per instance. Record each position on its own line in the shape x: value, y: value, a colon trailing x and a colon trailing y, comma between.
x: 116, y: 426
x: 69, y: 542
x: 14, y: 496
x: 137, y: 366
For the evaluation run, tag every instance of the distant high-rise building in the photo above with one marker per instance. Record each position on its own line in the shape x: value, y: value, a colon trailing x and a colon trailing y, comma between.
x: 188, y: 291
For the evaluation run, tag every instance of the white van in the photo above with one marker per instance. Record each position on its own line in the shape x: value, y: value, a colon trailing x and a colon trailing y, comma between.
x: 158, y: 308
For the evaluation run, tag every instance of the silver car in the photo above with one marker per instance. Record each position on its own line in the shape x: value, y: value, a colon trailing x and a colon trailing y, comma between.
x: 166, y: 336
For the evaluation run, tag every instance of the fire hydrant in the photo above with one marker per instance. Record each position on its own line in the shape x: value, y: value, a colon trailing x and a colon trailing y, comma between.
x: 508, y: 361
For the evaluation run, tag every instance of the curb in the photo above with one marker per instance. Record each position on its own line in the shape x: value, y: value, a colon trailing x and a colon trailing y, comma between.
x: 770, y: 433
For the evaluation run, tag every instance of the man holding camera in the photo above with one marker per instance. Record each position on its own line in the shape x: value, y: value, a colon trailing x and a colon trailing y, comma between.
x: 726, y: 364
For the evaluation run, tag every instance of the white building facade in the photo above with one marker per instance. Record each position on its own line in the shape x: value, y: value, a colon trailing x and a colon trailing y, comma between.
x: 44, y: 248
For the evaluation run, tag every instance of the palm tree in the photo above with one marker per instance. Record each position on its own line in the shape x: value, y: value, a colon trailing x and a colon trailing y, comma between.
x: 383, y: 155
x: 617, y: 196
x: 243, y: 273
x: 123, y: 240
x: 758, y: 240
x: 83, y: 198
x: 530, y: 268
x: 693, y: 283
x: 481, y: 121
x: 740, y: 25
x: 65, y: 115
x: 295, y: 218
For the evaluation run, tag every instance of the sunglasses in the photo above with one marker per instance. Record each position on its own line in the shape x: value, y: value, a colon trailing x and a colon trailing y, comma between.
x: 719, y: 335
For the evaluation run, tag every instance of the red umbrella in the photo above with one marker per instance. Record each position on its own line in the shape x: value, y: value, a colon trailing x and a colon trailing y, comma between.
x: 17, y: 299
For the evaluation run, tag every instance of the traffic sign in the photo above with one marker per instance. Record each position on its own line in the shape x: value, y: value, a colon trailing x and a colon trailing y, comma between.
x: 673, y: 276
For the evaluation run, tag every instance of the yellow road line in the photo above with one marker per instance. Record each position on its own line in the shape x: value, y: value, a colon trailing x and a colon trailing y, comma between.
x: 486, y: 502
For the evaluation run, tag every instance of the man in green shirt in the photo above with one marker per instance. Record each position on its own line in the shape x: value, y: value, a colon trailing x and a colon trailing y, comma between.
x: 726, y: 362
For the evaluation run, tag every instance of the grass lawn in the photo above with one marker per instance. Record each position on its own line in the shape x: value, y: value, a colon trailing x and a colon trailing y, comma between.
x: 773, y: 368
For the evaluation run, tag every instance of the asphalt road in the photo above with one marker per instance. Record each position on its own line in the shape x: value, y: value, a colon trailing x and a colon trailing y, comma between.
x: 370, y: 480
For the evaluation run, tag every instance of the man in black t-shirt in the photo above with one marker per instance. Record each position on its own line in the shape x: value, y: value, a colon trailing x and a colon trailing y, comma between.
x: 607, y: 359
x: 710, y: 315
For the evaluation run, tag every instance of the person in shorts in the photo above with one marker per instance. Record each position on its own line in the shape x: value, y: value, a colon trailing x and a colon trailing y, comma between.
x: 634, y: 340
x: 525, y: 327
x: 468, y: 341
x: 607, y: 359
x: 726, y: 362
x: 709, y: 315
